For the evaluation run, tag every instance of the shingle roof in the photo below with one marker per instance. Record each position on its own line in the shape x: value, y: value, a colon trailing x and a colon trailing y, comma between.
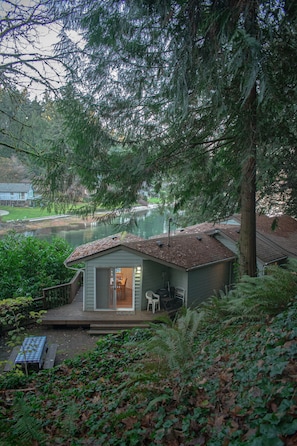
x: 187, y: 251
x: 184, y: 251
x: 88, y: 250
x: 266, y: 251
x: 15, y: 187
x: 276, y: 235
x: 194, y: 246
x: 284, y: 235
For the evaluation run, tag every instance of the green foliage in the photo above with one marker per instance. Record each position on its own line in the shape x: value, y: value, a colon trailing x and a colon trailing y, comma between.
x: 27, y: 428
x: 13, y: 379
x: 240, y: 389
x: 255, y: 297
x: 174, y: 345
x: 173, y: 350
x: 194, y: 75
x: 14, y: 313
x: 193, y: 102
x: 29, y: 264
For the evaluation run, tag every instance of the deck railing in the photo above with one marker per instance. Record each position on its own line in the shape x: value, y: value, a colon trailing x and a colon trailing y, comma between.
x: 53, y: 297
x: 58, y: 295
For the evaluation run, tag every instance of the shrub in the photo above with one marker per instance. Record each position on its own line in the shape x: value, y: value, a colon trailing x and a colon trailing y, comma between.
x: 255, y: 297
x: 29, y: 264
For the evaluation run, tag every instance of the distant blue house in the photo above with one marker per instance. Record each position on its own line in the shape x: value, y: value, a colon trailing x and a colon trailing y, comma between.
x: 19, y: 194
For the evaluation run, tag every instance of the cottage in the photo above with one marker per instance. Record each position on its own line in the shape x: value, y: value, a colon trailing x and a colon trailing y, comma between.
x: 18, y: 194
x: 118, y: 270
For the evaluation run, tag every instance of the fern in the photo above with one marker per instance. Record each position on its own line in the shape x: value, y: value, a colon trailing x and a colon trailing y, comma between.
x: 254, y: 297
x: 70, y: 420
x: 27, y: 427
x: 156, y: 401
x: 174, y: 345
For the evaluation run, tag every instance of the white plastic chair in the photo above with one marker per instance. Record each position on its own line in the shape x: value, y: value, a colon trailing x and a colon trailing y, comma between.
x: 153, y: 301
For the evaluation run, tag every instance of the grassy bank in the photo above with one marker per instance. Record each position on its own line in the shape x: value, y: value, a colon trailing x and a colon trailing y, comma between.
x: 24, y: 213
x: 27, y: 213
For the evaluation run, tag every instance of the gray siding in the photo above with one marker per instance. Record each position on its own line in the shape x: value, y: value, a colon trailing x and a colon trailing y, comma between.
x: 180, y: 279
x: 89, y: 289
x: 116, y: 259
x: 152, y: 278
x: 138, y: 289
x: 203, y: 282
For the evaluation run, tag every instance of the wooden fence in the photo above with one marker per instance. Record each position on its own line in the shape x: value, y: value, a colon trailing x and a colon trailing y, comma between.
x: 58, y: 295
x: 53, y: 297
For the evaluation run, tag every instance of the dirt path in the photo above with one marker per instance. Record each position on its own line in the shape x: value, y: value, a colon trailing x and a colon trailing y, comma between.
x: 71, y: 342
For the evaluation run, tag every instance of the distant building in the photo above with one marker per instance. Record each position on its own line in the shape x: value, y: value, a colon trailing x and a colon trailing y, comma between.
x: 16, y: 194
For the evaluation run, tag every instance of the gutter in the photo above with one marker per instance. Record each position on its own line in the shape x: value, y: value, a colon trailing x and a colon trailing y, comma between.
x: 229, y: 259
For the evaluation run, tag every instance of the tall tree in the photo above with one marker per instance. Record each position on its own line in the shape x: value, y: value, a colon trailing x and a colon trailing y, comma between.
x: 26, y: 35
x: 192, y: 91
x: 28, y: 67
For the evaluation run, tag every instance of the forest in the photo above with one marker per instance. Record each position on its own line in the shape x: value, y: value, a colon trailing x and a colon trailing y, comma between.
x: 199, y: 96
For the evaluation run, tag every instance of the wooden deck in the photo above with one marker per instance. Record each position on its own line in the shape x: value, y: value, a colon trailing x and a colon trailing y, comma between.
x: 72, y: 315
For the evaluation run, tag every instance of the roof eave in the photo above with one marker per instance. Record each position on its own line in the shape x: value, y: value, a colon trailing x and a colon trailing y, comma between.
x: 93, y: 256
x: 274, y: 260
x: 229, y: 259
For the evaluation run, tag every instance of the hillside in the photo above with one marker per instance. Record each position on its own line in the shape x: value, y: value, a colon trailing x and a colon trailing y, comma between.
x: 231, y: 384
x: 12, y: 170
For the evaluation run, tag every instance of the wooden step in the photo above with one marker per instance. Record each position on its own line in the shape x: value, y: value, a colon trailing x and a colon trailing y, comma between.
x: 115, y: 327
x: 120, y: 325
x: 102, y: 332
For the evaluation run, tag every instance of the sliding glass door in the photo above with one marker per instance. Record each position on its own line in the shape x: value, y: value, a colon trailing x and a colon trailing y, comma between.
x: 114, y: 288
x: 104, y: 290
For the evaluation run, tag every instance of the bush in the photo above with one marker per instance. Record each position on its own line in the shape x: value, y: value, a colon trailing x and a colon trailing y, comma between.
x: 29, y: 264
x: 255, y: 297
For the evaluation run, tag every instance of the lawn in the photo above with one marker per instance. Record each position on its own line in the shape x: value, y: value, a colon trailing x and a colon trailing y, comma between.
x: 24, y: 213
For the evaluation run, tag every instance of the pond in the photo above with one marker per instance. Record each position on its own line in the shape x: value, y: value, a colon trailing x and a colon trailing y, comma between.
x: 143, y: 223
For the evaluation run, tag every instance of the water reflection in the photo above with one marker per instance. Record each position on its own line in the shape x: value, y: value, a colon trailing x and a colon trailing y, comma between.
x: 144, y: 224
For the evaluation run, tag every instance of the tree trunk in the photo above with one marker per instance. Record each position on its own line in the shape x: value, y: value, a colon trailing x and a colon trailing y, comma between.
x: 247, y: 242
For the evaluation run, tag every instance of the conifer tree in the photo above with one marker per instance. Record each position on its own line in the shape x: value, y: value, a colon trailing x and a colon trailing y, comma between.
x: 194, y: 93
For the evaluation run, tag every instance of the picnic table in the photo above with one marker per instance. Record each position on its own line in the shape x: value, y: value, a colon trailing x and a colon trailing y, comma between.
x: 34, y: 353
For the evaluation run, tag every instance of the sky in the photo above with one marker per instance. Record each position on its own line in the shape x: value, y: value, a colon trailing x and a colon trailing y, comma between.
x: 24, y: 51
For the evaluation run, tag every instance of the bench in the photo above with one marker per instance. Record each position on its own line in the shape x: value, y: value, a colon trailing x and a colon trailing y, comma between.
x: 10, y: 363
x: 50, y: 357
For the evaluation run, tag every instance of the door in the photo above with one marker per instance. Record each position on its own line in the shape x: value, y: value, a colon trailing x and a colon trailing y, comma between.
x: 114, y: 288
x: 104, y: 290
